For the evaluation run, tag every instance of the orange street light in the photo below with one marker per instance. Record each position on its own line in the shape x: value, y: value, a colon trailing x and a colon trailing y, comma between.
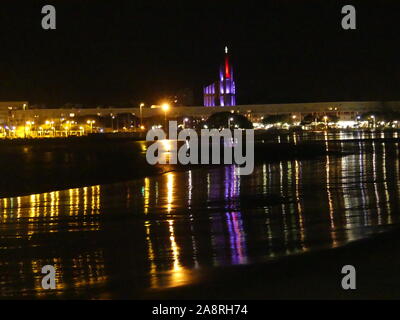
x: 165, y: 108
x: 91, y: 125
x: 141, y: 115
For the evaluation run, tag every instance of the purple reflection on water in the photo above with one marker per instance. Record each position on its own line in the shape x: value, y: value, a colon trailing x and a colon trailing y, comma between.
x: 237, y: 237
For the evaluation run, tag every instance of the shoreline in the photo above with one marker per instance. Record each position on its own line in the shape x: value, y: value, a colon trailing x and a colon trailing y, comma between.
x: 57, y: 166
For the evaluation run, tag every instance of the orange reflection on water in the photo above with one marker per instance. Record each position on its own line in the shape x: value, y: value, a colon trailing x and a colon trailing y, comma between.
x: 52, y: 204
x: 330, y: 203
x: 173, y: 276
x: 299, y: 206
x: 151, y: 257
x: 160, y: 275
x: 178, y: 274
x: 170, y: 190
x: 88, y: 269
x: 37, y: 217
x: 36, y: 267
x: 146, y: 195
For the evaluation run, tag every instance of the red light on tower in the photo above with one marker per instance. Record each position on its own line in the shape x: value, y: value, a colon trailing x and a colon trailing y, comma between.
x: 227, y: 69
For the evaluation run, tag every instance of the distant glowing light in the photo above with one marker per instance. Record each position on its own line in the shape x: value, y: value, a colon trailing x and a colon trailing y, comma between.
x: 166, y: 145
x: 345, y: 124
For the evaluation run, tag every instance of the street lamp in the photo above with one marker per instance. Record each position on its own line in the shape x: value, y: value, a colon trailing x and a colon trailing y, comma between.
x: 53, y: 128
x: 27, y: 123
x: 67, y: 127
x: 184, y: 122
x: 91, y: 125
x: 141, y: 115
x: 165, y: 108
x: 112, y: 122
x: 229, y: 122
x: 373, y: 119
x: 326, y: 122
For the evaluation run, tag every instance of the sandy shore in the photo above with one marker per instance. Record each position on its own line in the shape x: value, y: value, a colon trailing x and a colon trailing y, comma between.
x: 313, y: 275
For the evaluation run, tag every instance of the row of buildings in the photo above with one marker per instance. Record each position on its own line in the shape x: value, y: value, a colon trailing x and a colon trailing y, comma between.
x: 17, y: 118
x: 14, y: 113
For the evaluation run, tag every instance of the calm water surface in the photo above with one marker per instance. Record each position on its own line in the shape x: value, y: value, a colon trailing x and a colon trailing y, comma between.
x: 120, y: 240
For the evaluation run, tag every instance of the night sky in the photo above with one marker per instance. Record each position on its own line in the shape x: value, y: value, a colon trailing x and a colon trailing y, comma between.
x: 119, y: 53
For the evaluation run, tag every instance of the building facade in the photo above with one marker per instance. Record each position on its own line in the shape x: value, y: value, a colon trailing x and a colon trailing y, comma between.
x: 222, y: 92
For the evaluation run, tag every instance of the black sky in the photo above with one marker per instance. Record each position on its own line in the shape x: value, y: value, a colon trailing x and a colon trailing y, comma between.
x: 123, y: 52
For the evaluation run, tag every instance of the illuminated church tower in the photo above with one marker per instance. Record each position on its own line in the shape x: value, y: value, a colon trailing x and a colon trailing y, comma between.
x: 223, y: 92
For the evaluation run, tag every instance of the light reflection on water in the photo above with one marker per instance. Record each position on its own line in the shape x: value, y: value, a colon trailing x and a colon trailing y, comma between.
x: 340, y: 135
x: 122, y: 239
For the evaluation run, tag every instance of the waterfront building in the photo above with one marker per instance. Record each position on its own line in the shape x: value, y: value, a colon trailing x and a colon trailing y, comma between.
x: 222, y: 92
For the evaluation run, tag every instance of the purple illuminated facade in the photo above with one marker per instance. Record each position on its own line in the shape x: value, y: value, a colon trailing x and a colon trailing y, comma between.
x: 222, y: 92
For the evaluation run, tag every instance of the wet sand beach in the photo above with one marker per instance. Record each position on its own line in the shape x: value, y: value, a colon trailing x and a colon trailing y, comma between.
x: 283, y: 232
x: 314, y: 275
